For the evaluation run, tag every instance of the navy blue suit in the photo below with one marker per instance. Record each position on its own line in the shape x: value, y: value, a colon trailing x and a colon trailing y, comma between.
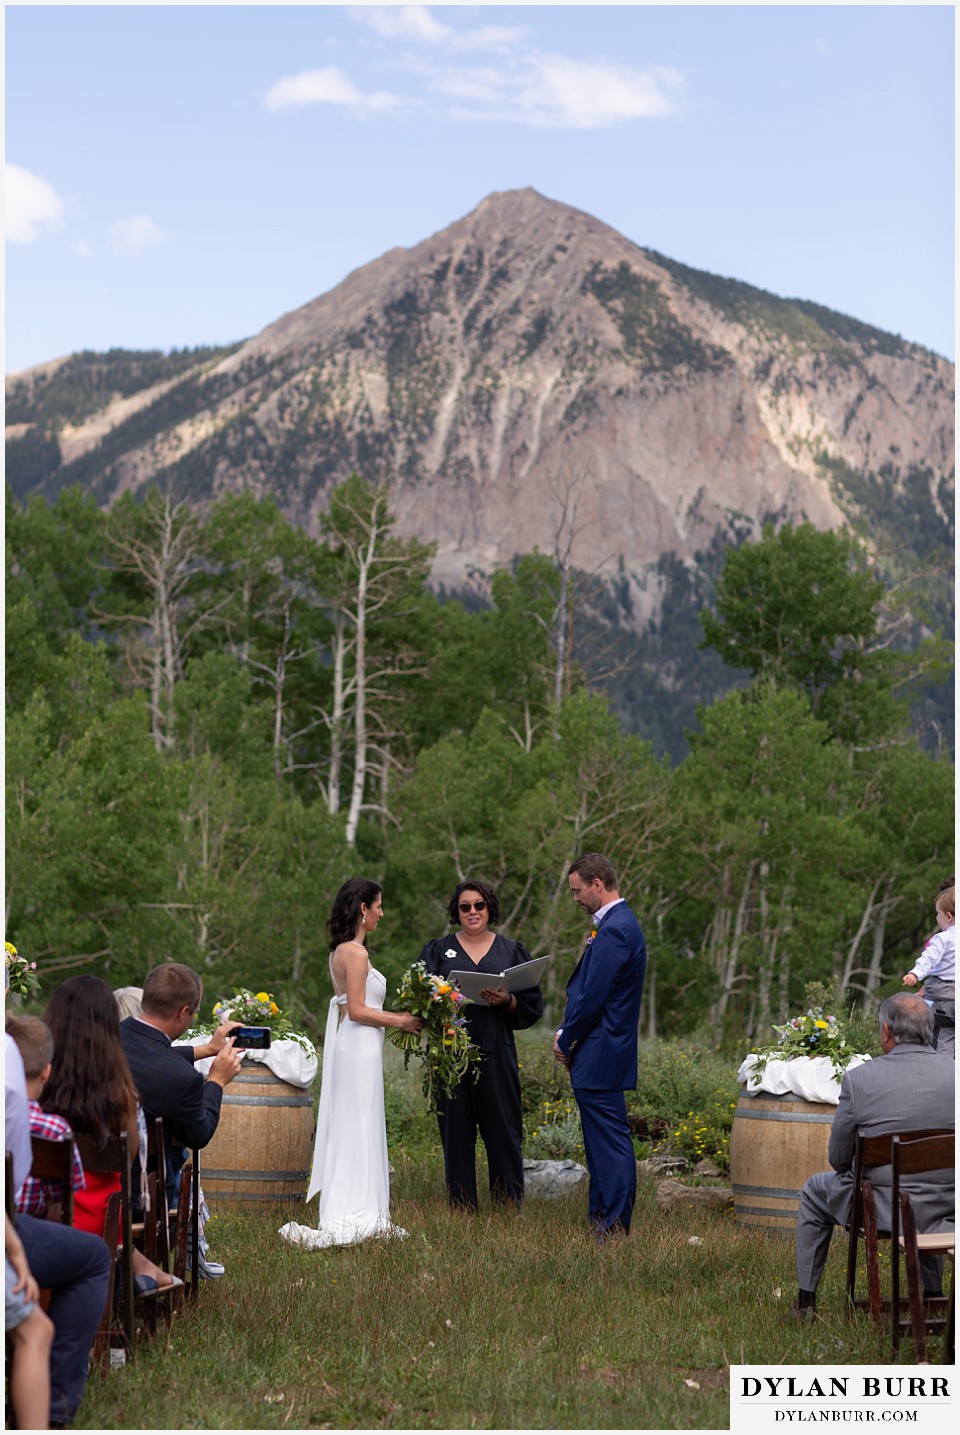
x: 599, y: 1035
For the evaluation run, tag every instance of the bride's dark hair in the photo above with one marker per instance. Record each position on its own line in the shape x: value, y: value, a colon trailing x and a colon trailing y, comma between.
x: 344, y: 918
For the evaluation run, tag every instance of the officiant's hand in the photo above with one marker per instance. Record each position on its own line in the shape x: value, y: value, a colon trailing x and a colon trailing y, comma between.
x: 497, y: 996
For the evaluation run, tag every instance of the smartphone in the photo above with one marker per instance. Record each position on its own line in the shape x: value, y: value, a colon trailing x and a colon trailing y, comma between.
x: 254, y: 1038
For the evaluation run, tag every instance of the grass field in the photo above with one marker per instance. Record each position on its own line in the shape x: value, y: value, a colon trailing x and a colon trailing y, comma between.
x: 495, y: 1321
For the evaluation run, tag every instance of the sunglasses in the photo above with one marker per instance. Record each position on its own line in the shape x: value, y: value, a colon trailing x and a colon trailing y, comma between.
x: 473, y: 906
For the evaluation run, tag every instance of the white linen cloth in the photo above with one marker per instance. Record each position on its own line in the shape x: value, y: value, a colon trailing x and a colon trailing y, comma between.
x: 810, y: 1077
x: 286, y: 1059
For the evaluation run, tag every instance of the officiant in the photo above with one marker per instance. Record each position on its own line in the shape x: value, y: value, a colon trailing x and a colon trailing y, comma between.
x: 491, y: 1104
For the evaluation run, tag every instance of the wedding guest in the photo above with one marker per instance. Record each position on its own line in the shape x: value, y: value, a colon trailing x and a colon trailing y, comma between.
x: 130, y: 1003
x: 908, y: 1088
x: 90, y: 1085
x: 29, y: 1336
x: 164, y: 1074
x: 35, y: 1044
x: 73, y: 1265
x: 491, y: 1105
x: 936, y: 967
x: 597, y: 1041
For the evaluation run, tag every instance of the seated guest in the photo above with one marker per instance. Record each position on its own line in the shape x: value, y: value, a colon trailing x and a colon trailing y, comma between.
x: 73, y: 1265
x: 35, y: 1043
x: 130, y: 1003
x: 164, y: 1074
x: 91, y: 1086
x: 29, y: 1337
x: 908, y: 1088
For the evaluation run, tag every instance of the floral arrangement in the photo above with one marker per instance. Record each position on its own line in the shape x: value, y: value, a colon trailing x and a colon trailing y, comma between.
x: 253, y: 1009
x: 22, y: 975
x: 443, y: 1046
x: 815, y: 1033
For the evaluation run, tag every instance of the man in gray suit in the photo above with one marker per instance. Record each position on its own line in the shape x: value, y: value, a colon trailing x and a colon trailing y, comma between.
x: 909, y: 1088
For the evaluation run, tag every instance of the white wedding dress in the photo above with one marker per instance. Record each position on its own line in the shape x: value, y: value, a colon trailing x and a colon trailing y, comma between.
x: 350, y: 1167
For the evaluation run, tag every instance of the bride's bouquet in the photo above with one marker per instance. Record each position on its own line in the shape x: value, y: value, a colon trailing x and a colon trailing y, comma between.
x: 443, y: 1047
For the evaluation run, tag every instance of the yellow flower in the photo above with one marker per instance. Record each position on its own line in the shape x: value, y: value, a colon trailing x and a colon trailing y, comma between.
x: 263, y: 996
x: 273, y: 1008
x: 11, y: 949
x: 821, y: 1023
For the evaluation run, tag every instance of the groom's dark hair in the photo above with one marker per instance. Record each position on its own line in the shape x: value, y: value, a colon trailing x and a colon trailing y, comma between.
x: 593, y: 865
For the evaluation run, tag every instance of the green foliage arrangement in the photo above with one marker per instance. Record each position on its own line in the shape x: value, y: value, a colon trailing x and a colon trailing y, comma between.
x: 252, y: 1009
x: 818, y: 1032
x: 443, y: 1047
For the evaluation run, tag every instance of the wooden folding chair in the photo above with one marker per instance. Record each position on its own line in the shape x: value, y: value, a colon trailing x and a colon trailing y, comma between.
x: 187, y: 1227
x: 914, y: 1156
x: 113, y: 1156
x: 53, y: 1161
x: 871, y: 1151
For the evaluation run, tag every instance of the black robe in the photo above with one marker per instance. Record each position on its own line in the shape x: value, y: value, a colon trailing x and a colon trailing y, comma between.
x: 491, y: 1104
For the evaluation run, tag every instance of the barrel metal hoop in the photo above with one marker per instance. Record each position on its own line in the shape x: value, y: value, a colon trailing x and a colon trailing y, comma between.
x: 275, y: 1198
x: 209, y: 1174
x: 766, y: 1211
x: 784, y: 1116
x: 229, y: 1100
x: 771, y: 1191
x: 257, y: 1072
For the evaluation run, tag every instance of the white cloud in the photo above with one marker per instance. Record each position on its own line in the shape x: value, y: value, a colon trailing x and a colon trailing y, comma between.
x: 587, y: 94
x: 32, y: 207
x: 330, y: 86
x: 81, y: 248
x: 402, y: 22
x: 132, y: 236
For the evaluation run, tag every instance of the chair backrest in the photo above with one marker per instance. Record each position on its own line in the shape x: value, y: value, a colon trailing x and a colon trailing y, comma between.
x: 872, y: 1151
x: 918, y: 1151
x: 53, y: 1161
x: 9, y: 1195
x: 114, y: 1155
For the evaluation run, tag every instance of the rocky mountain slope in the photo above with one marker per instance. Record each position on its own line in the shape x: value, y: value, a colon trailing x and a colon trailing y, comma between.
x: 525, y: 377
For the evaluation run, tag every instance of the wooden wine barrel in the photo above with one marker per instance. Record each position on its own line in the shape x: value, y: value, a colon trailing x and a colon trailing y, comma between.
x: 775, y: 1144
x: 262, y: 1147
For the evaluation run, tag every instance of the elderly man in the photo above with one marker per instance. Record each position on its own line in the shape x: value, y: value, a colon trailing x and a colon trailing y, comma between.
x: 909, y: 1088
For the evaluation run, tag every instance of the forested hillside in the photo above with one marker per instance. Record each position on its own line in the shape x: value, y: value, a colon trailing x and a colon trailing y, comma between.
x: 212, y: 719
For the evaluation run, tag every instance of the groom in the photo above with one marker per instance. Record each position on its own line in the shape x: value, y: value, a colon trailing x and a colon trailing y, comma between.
x: 598, y: 1040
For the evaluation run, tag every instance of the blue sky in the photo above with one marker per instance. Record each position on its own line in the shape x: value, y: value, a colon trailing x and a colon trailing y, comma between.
x: 181, y: 174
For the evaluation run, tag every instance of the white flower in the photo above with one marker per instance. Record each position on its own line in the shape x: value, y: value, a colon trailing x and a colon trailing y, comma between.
x: 451, y: 954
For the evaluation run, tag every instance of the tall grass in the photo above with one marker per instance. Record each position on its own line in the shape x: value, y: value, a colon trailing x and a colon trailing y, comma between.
x: 498, y: 1321
x: 493, y: 1321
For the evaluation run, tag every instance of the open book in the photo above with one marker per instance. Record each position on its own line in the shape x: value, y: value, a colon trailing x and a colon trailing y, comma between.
x: 516, y: 979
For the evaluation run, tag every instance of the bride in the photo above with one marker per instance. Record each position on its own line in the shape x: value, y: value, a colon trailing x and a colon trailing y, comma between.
x: 350, y: 1154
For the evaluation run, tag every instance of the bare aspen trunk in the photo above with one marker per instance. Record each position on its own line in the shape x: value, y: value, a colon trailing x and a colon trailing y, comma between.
x: 338, y: 713
x: 360, y: 699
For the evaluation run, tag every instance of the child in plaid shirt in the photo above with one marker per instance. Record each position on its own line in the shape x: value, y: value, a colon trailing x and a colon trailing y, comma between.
x: 35, y: 1043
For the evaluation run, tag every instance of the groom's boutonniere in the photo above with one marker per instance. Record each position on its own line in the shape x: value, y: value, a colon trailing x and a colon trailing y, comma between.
x: 593, y: 933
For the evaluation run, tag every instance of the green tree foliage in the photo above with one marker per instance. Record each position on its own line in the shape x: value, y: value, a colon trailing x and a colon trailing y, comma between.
x: 213, y: 721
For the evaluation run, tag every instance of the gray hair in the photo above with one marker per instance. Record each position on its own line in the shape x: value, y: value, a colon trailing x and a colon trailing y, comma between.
x: 129, y: 1001
x: 909, y: 1019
